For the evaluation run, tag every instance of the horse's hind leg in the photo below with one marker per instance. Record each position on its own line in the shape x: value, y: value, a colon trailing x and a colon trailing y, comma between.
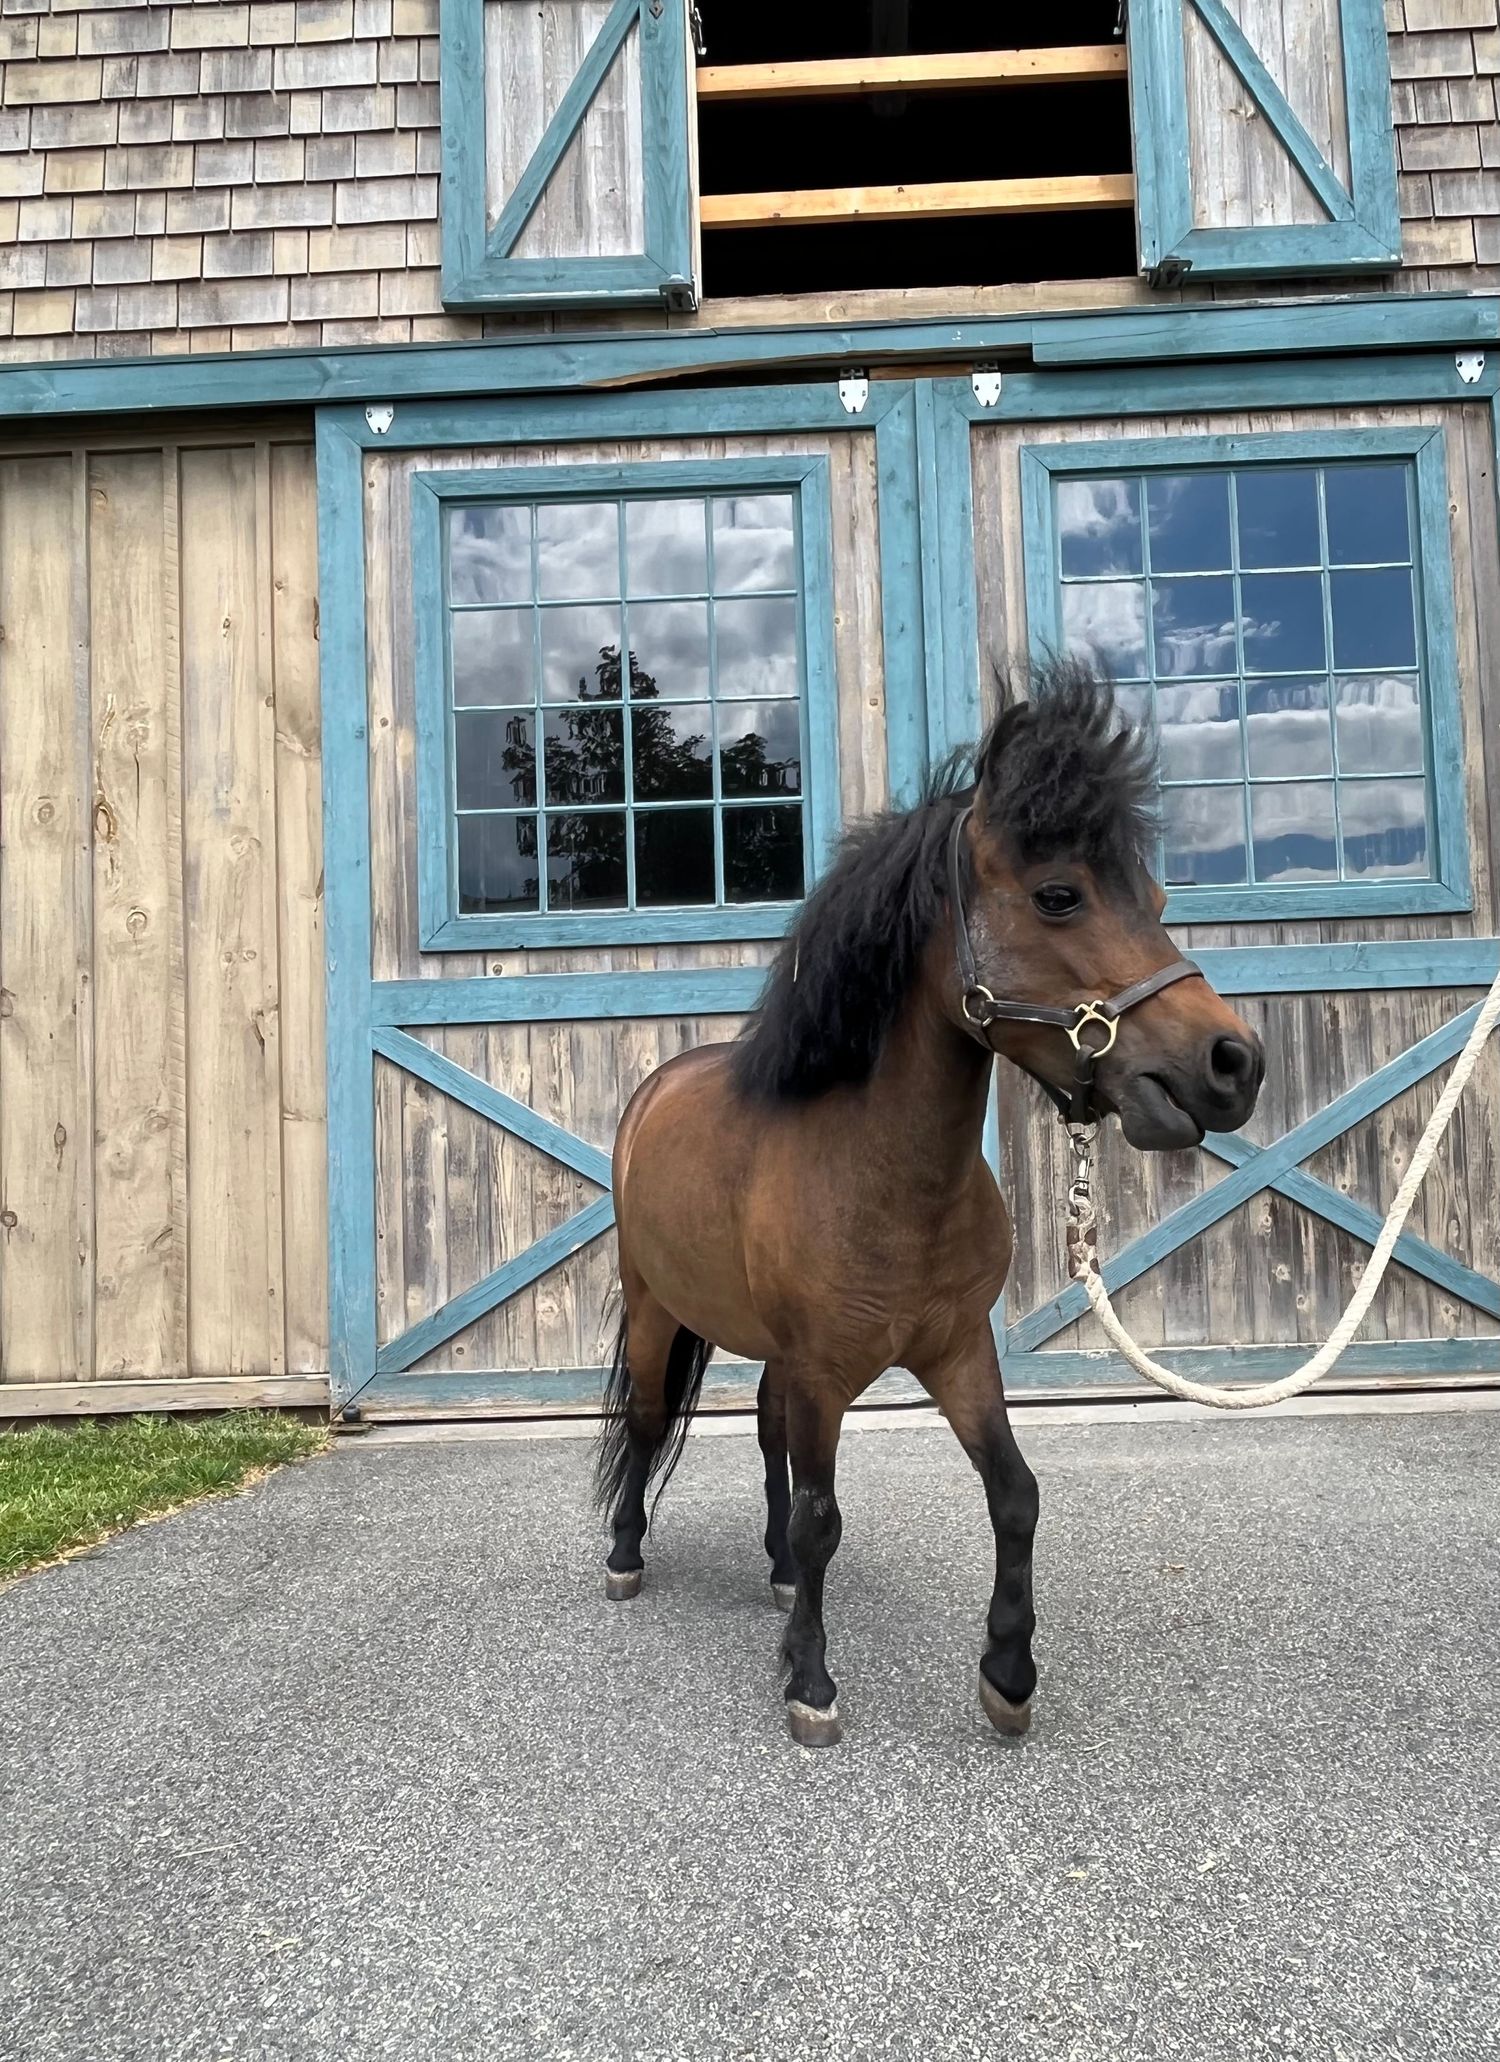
x: 968, y: 1390
x: 635, y: 1437
x: 813, y: 1419
x: 770, y: 1426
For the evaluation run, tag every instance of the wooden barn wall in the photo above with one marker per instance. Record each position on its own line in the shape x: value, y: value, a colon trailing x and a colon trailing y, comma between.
x: 162, y: 1128
x: 455, y: 1195
x: 1271, y: 1272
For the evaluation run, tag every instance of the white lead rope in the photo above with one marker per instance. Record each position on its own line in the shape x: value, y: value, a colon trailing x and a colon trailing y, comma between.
x: 1085, y: 1267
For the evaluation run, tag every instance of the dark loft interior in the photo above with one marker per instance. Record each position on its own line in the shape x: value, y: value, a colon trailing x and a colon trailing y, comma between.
x: 908, y: 138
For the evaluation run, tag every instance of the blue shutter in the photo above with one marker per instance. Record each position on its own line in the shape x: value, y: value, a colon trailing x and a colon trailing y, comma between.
x: 566, y: 154
x: 1262, y: 150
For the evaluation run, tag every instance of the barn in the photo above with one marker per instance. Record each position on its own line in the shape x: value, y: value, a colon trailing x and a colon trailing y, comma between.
x: 487, y: 491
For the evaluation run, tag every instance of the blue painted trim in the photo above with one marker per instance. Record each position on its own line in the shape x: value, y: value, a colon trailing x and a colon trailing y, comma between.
x: 347, y: 918
x: 905, y: 654
x: 1451, y: 890
x: 950, y: 606
x: 1255, y: 1173
x: 549, y: 1251
x: 1378, y: 324
x: 805, y: 477
x: 1277, y: 109
x: 1362, y: 233
x: 1335, y: 1208
x: 479, y: 270
x: 485, y: 1100
x: 727, y: 1385
x: 1062, y: 1370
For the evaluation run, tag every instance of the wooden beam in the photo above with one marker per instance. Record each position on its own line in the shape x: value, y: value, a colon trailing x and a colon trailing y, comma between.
x: 935, y: 202
x: 192, y: 1392
x: 963, y: 70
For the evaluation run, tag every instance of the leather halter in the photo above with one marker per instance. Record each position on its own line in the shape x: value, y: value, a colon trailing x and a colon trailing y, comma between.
x: 983, y: 1009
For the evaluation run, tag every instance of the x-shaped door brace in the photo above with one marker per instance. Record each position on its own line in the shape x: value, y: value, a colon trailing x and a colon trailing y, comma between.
x: 1278, y: 1166
x: 555, y: 1246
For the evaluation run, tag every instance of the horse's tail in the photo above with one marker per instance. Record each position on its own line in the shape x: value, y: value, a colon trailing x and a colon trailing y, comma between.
x: 681, y: 1388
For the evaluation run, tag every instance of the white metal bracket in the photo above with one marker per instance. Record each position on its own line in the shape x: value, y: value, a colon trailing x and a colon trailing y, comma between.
x: 854, y: 392
x: 1470, y: 366
x: 380, y: 418
x: 986, y: 384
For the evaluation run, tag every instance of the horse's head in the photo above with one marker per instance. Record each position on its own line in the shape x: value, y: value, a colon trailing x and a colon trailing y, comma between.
x: 1062, y: 910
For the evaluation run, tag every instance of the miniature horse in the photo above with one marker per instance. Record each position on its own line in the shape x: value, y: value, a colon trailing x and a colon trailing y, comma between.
x: 815, y: 1196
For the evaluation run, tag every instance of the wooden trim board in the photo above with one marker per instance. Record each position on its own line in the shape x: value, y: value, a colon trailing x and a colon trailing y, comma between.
x: 936, y: 202
x: 828, y: 78
x: 102, y: 1399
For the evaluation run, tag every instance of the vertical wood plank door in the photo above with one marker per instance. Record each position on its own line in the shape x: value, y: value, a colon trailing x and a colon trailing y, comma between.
x: 162, y: 1107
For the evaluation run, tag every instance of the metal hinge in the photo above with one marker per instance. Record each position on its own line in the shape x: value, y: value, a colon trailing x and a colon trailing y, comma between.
x: 854, y: 391
x: 695, y: 23
x: 1469, y: 366
x: 1170, y: 272
x: 1121, y: 15
x: 380, y: 418
x: 985, y: 380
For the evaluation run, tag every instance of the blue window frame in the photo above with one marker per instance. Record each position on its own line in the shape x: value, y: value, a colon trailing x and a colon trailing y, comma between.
x: 1279, y: 609
x: 627, y: 711
x: 1297, y: 188
x: 589, y: 204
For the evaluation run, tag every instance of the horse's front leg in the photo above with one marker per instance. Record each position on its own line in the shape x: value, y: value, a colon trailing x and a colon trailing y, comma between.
x: 813, y: 1417
x: 967, y: 1389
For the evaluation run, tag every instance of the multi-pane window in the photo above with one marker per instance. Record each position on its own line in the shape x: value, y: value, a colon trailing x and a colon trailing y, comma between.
x: 1266, y: 620
x: 626, y: 702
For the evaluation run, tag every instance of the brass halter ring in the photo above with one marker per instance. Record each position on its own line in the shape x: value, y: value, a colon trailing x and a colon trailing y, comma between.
x: 1093, y: 1013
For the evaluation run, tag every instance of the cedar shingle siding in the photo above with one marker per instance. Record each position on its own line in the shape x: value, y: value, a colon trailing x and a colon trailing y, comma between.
x: 215, y: 177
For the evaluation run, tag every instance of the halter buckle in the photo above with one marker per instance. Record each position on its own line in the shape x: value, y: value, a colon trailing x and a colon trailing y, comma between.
x: 984, y: 1016
x: 1092, y: 1013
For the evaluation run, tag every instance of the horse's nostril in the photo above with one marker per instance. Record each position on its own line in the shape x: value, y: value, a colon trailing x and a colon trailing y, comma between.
x: 1233, y: 1063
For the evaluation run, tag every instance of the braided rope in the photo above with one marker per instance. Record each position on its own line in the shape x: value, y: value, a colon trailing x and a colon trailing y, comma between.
x: 1084, y: 1266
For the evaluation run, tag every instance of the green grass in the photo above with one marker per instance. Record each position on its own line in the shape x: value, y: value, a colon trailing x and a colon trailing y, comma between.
x: 67, y: 1487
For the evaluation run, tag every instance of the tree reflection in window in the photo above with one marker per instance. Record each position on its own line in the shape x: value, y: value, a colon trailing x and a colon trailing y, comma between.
x: 661, y: 783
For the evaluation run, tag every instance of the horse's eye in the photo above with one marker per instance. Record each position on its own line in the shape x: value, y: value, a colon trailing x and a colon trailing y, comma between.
x: 1056, y: 898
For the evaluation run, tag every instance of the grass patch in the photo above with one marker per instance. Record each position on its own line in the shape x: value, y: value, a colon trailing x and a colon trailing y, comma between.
x: 62, y: 1488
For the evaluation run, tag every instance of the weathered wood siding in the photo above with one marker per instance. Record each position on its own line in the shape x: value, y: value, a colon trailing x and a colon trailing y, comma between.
x: 594, y: 203
x: 162, y: 1154
x: 455, y: 1195
x: 1270, y: 1272
x: 1240, y: 174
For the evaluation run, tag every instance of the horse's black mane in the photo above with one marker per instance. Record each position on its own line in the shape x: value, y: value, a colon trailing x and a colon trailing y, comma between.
x: 1059, y: 779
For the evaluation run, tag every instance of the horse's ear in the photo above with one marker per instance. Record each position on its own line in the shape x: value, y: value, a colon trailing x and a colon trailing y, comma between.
x: 998, y: 739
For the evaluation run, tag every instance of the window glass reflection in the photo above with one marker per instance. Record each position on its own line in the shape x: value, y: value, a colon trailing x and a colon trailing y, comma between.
x: 760, y: 749
x: 578, y: 550
x: 1187, y: 515
x: 494, y: 759
x: 669, y: 649
x: 1287, y: 728
x: 1106, y: 623
x: 674, y: 857
x: 1379, y: 719
x: 489, y: 553
x: 666, y: 547
x: 1203, y: 836
x: 1199, y: 728
x: 1278, y: 516
x: 580, y: 654
x: 1373, y: 620
x: 755, y: 542
x: 757, y: 648
x: 1385, y: 828
x: 672, y: 752
x: 585, y: 755
x: 1099, y: 526
x: 1192, y: 622
x: 1294, y: 829
x: 497, y: 865
x: 1367, y: 518
x: 1283, y: 622
x: 493, y: 657
x: 762, y: 854
x: 586, y: 861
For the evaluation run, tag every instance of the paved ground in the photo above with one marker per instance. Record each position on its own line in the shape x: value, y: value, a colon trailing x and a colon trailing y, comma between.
x: 362, y: 1765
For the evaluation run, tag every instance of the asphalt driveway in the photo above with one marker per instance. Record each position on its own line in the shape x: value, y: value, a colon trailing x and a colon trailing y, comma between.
x: 363, y: 1765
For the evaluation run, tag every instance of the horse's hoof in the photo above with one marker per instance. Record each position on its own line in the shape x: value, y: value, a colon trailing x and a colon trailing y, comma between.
x: 1004, y: 1716
x: 621, y: 1585
x: 812, y: 1727
x: 784, y: 1595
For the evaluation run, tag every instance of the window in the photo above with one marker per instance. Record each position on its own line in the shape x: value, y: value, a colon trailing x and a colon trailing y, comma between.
x: 626, y: 709
x: 1270, y: 614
